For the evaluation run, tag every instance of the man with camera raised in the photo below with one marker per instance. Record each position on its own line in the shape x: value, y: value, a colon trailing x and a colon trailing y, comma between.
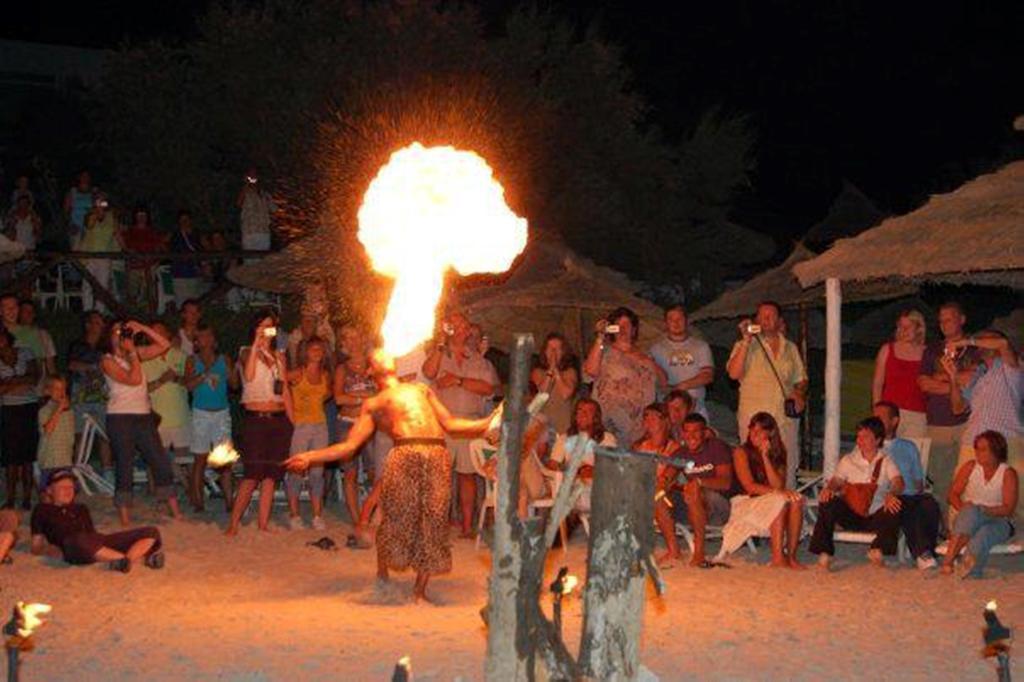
x: 772, y: 379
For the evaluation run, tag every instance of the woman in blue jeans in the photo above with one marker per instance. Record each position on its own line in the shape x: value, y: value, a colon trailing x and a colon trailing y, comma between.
x: 984, y: 495
x: 130, y: 422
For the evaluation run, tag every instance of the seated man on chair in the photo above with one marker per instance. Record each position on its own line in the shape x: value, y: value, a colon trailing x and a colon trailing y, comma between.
x: 63, y: 527
x: 862, y: 495
x: 704, y: 498
x: 920, y: 513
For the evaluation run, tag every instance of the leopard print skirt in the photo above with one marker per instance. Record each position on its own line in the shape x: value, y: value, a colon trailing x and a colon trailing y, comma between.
x: 414, y: 498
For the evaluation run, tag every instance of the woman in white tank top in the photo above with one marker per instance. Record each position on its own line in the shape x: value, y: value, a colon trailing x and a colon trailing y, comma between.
x: 130, y: 425
x: 266, y: 432
x: 984, y: 494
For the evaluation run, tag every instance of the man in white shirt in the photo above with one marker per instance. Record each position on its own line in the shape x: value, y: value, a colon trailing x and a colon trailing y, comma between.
x: 686, y: 359
x: 867, y: 464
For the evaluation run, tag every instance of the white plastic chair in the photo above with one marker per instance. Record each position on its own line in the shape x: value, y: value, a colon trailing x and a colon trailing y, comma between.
x: 480, y: 452
x: 83, y: 471
x: 554, y: 480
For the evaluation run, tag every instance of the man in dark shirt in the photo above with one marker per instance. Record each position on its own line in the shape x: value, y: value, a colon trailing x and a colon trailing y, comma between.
x: 704, y: 498
x: 944, y: 426
x: 67, y: 526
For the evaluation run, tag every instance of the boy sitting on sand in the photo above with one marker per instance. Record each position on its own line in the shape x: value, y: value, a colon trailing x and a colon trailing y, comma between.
x: 63, y: 527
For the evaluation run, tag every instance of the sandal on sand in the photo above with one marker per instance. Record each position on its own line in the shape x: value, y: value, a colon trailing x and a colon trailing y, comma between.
x: 122, y: 565
x: 155, y: 561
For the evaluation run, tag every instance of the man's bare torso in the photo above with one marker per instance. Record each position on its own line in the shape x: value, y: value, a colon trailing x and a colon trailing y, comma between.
x: 404, y: 411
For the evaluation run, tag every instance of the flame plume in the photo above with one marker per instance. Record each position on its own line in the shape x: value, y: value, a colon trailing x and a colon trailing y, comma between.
x: 428, y: 209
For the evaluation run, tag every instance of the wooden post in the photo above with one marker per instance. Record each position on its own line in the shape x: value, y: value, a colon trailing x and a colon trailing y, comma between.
x: 506, y: 659
x: 622, y: 522
x: 833, y: 372
x: 807, y: 435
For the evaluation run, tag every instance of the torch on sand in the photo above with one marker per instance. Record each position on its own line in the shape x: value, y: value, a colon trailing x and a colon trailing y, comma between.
x: 18, y: 634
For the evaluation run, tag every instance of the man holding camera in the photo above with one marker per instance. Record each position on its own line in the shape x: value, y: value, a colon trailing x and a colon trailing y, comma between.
x: 772, y: 379
x: 464, y: 380
x: 945, y: 426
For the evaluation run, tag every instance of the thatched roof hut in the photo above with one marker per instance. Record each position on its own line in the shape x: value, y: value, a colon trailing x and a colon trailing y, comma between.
x: 972, y: 234
x: 780, y: 285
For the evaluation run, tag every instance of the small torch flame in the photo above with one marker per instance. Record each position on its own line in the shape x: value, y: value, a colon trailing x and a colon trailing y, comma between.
x: 991, y: 606
x: 28, y: 617
x: 569, y: 584
x: 222, y: 455
x: 429, y: 209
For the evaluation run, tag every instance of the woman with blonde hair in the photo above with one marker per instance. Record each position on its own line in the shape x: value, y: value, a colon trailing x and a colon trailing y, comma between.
x: 896, y: 368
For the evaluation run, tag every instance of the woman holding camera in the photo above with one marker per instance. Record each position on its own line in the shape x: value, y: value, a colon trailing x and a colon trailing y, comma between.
x: 130, y: 422
x: 267, y: 422
x: 625, y: 377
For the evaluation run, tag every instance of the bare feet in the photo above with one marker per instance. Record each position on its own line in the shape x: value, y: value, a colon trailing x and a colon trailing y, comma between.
x: 947, y: 568
x: 779, y: 562
x: 825, y: 562
x: 667, y: 560
x: 795, y: 564
x: 698, y: 560
x: 966, y: 569
x: 231, y: 531
x: 875, y: 557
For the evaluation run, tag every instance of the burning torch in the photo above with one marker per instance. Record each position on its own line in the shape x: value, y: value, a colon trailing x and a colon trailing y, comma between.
x: 18, y: 634
x: 997, y: 641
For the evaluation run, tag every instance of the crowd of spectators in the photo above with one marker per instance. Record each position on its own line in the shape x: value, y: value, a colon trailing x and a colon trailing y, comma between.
x: 167, y: 392
x: 88, y: 221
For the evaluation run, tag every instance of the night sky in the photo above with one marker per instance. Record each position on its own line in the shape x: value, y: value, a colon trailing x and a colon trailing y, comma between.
x: 902, y: 99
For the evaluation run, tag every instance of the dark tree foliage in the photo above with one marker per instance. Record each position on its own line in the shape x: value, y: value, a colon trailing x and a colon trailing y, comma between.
x: 318, y: 93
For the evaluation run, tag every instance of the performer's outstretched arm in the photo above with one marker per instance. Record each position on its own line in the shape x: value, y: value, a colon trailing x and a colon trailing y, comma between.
x: 360, y: 433
x: 460, y: 426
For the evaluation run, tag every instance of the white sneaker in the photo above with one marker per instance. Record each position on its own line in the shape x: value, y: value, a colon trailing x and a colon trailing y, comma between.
x: 318, y: 523
x: 926, y: 562
x: 295, y: 523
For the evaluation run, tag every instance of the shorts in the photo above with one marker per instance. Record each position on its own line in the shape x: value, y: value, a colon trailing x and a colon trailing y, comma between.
x: 176, y: 436
x: 264, y: 442
x: 461, y: 457
x: 716, y: 503
x: 98, y: 412
x: 210, y: 428
x: 344, y: 425
x: 308, y: 437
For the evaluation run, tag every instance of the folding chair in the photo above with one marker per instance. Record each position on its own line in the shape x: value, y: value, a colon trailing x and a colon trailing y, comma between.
x: 83, y: 471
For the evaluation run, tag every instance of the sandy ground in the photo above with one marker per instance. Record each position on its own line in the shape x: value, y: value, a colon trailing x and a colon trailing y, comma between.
x: 267, y: 607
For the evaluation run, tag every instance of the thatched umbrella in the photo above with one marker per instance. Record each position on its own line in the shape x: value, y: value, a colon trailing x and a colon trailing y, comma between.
x: 554, y: 289
x: 779, y: 284
x: 973, y: 234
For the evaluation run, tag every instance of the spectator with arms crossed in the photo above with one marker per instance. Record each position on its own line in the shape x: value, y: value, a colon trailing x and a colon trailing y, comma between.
x: 685, y: 359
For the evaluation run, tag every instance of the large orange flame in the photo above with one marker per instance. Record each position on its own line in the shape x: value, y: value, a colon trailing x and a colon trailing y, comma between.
x: 428, y: 209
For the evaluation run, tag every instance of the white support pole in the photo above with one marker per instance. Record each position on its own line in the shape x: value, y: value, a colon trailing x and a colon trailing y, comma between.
x: 833, y: 372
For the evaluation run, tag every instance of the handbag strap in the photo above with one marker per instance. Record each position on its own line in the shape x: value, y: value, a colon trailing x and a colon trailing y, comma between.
x: 768, y: 355
x: 878, y: 469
